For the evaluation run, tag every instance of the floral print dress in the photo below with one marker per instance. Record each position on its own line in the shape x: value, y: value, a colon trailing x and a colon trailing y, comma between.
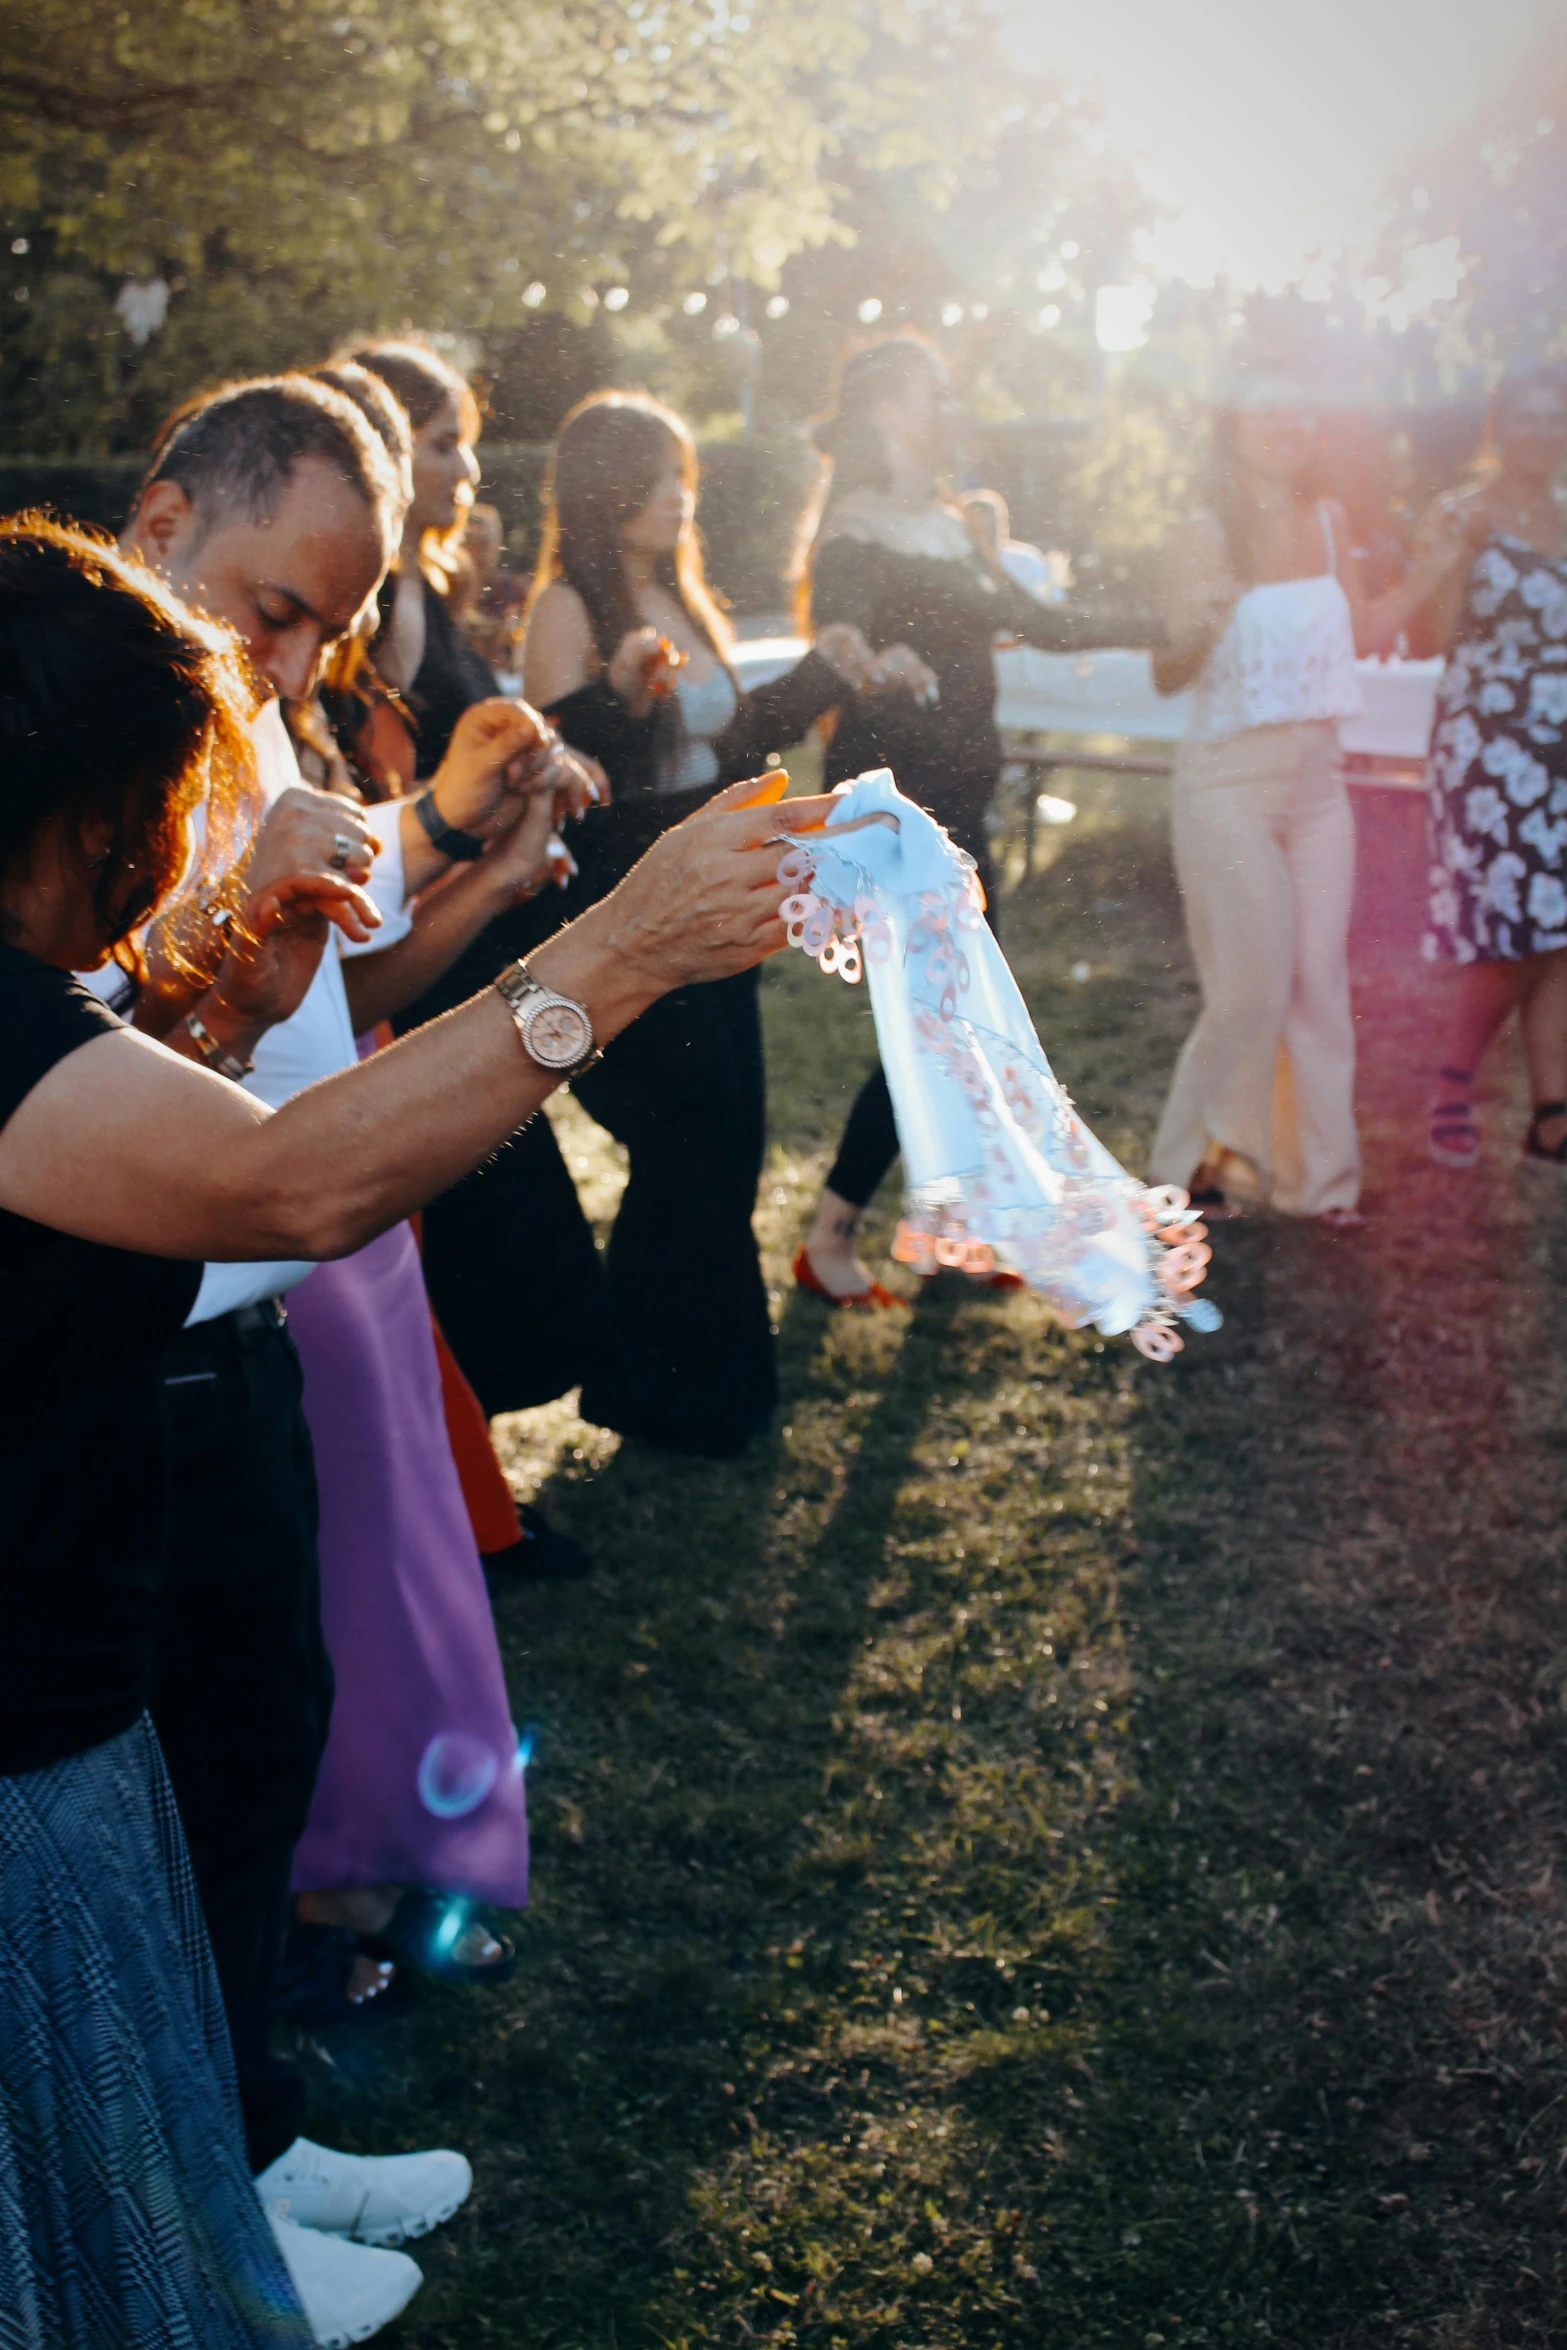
x: 1497, y: 771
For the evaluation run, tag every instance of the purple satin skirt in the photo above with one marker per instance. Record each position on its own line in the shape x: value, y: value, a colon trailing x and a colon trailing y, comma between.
x: 419, y: 1784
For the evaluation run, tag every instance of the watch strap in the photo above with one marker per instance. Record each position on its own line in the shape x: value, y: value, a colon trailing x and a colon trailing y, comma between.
x: 452, y: 842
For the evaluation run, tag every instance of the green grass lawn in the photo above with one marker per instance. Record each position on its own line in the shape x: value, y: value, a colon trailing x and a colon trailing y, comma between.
x: 1048, y: 1851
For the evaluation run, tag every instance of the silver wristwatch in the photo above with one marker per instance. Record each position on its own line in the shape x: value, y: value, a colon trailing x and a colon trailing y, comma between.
x: 555, y: 1029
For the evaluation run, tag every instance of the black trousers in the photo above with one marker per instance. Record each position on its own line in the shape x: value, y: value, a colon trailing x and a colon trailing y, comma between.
x: 692, y: 1365
x: 869, y: 1142
x: 242, y: 1693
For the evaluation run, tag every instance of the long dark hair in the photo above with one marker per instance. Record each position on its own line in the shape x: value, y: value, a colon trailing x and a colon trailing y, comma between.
x: 117, y: 705
x: 1229, y: 492
x: 848, y: 439
x: 608, y: 457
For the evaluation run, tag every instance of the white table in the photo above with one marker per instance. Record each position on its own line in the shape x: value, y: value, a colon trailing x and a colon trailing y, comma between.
x: 1111, y: 695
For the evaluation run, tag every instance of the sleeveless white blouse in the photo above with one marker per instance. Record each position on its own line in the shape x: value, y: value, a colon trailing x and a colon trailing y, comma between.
x: 705, y: 710
x: 1287, y: 655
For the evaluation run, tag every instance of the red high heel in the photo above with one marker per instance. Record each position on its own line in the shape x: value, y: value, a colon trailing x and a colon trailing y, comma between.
x: 875, y: 1297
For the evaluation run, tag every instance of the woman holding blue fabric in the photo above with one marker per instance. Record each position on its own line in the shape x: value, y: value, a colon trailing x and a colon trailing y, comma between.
x: 132, y: 2220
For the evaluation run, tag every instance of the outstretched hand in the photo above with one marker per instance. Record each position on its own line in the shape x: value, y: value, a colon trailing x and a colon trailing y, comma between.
x: 897, y: 668
x: 703, y: 903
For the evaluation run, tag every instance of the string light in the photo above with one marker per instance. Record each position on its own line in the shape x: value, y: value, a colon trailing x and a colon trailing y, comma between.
x: 869, y: 311
x: 534, y: 294
x: 694, y: 305
x: 778, y: 307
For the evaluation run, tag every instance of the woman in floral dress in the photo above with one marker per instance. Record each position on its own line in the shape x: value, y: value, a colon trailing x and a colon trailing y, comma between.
x: 1497, y: 772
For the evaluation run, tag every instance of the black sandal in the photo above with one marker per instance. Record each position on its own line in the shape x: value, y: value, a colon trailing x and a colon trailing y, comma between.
x: 424, y: 1930
x: 1213, y: 1205
x: 311, y: 1983
x: 1454, y: 1138
x: 1534, y: 1148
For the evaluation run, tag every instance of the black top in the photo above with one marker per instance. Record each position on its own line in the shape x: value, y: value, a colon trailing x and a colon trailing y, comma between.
x: 452, y: 676
x: 594, y: 719
x: 608, y: 841
x: 949, y: 610
x: 80, y: 1465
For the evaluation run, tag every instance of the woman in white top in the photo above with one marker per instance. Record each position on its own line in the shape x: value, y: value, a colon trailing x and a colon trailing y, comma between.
x: 1265, y: 616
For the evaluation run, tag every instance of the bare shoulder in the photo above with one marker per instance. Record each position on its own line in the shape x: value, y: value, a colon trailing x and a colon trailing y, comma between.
x: 558, y: 616
x: 558, y: 651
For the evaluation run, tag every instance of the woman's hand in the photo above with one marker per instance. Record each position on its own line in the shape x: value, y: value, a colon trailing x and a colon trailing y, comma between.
x: 519, y: 861
x: 900, y: 669
x: 703, y: 903
x: 847, y: 653
x: 274, y: 948
x: 497, y: 747
x: 628, y: 668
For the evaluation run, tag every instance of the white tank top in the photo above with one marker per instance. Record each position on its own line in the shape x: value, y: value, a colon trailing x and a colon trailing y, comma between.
x: 705, y: 710
x: 1288, y: 654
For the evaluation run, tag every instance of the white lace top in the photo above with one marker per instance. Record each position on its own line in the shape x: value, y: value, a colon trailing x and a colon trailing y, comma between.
x: 1288, y: 654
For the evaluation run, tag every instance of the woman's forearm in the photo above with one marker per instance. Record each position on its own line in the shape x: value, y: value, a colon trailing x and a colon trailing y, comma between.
x: 122, y: 1143
x: 353, y: 1154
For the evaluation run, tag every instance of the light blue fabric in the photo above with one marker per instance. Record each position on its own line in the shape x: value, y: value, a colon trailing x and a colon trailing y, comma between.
x: 998, y: 1166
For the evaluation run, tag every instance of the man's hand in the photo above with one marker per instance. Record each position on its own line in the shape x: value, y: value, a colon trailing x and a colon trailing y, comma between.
x: 310, y: 831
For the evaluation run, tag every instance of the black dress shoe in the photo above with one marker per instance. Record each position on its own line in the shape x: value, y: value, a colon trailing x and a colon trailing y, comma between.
x: 544, y: 1554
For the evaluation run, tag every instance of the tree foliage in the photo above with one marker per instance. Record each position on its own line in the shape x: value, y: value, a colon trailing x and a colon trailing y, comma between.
x: 291, y: 169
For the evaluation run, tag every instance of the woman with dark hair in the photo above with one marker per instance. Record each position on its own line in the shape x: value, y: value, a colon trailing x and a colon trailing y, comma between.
x: 628, y: 654
x: 524, y: 1321
x: 132, y: 2219
x: 883, y: 546
x: 420, y: 649
x: 1265, y: 614
x: 1497, y: 775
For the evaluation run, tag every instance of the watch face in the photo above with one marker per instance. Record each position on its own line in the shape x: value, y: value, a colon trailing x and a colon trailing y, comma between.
x: 558, y: 1034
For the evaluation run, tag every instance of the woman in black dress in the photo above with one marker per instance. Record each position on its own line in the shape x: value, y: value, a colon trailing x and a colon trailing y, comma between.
x: 887, y: 550
x: 619, y: 589
x: 131, y: 2219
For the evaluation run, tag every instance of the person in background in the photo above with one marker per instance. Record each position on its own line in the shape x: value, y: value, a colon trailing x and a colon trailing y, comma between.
x: 1497, y: 774
x: 525, y: 1321
x: 885, y: 547
x: 122, y: 1167
x: 494, y: 601
x: 1265, y: 615
x: 1043, y: 576
x: 631, y: 655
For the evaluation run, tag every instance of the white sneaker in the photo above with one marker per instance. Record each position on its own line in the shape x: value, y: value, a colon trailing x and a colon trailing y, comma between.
x: 375, y: 2198
x: 348, y: 2291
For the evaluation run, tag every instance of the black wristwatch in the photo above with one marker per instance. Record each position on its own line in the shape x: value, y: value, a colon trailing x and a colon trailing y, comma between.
x: 463, y: 847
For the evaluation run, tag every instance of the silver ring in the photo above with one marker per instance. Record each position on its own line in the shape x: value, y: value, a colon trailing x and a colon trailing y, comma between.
x: 342, y: 850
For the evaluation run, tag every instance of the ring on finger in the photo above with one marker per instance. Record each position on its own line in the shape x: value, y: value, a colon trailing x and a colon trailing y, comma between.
x: 342, y: 850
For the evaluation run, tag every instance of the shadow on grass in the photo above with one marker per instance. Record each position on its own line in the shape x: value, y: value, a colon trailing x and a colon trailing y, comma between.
x: 686, y: 1702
